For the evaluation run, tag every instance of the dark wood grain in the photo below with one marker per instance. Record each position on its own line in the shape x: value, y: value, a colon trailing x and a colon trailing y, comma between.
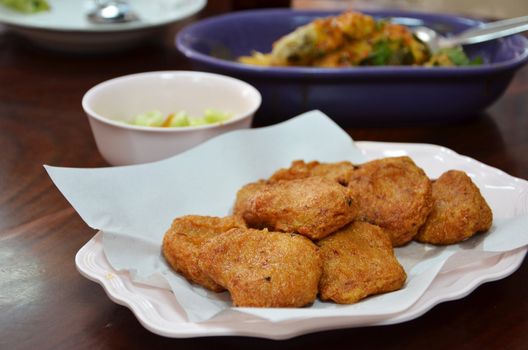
x: 46, y: 304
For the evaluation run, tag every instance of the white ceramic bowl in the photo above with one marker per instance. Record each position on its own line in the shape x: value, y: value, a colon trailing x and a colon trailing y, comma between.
x: 109, y: 105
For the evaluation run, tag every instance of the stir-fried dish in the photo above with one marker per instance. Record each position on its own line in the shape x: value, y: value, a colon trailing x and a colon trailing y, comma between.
x: 354, y: 39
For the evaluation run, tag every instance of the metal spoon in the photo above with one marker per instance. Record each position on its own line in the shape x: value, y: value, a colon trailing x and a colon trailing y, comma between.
x: 486, y: 32
x: 112, y: 11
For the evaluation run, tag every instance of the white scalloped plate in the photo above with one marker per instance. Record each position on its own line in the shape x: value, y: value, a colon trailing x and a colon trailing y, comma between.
x: 159, y: 312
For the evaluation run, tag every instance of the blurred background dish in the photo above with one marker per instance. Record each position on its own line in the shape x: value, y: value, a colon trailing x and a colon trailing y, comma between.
x: 471, y: 8
x: 66, y: 27
x: 112, y: 105
x: 355, y: 95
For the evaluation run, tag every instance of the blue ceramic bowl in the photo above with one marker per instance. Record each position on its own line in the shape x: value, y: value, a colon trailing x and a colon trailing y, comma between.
x: 387, y: 95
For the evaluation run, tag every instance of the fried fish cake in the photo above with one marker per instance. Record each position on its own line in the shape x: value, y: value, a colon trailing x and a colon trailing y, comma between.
x: 459, y: 210
x: 313, y: 206
x: 244, y: 195
x: 339, y: 172
x: 263, y: 269
x: 358, y: 261
x: 392, y: 193
x: 182, y: 243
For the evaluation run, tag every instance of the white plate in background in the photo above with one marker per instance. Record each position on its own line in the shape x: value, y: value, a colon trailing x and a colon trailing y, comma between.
x: 65, y: 26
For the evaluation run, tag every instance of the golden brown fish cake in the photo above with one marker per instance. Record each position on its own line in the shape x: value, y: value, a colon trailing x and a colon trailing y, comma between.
x: 244, y: 195
x: 263, y: 269
x: 392, y: 193
x: 313, y: 206
x: 299, y: 169
x: 358, y: 261
x: 459, y: 210
x: 182, y: 243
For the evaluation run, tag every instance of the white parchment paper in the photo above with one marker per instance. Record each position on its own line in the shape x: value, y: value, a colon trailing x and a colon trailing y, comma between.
x: 135, y: 205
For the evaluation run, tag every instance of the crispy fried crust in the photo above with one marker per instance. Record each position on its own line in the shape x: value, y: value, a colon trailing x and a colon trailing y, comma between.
x: 184, y: 239
x: 358, y: 261
x: 313, y: 206
x: 244, y: 196
x: 339, y: 172
x: 393, y: 193
x: 458, y: 213
x: 263, y: 269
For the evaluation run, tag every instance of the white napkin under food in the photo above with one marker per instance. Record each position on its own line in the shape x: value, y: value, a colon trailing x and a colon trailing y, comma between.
x: 135, y: 205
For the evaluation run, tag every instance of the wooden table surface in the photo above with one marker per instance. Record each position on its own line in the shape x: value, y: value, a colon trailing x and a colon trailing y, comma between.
x: 46, y: 304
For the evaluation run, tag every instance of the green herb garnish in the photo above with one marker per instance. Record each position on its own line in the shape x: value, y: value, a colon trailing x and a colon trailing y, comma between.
x: 380, y: 55
x: 458, y: 57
